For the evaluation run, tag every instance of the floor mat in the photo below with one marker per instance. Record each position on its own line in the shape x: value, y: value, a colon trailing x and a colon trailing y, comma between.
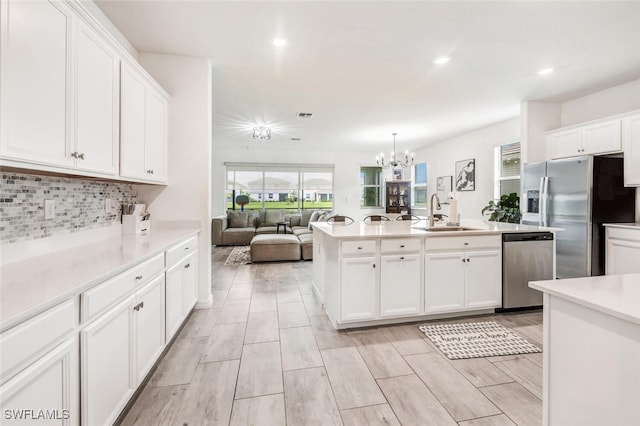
x: 240, y: 255
x: 476, y: 340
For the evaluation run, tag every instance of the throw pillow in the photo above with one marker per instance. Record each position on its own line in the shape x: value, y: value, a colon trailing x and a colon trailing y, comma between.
x: 314, y: 218
x: 238, y: 219
x: 271, y: 217
x: 305, y: 217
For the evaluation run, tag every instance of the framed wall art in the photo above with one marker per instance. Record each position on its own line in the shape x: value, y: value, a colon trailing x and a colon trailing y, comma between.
x: 466, y: 175
x: 397, y: 174
x: 443, y: 188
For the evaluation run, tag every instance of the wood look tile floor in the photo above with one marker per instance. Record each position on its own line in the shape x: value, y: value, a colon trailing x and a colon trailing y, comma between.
x: 266, y: 354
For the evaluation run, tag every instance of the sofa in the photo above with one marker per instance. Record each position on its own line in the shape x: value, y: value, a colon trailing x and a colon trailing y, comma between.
x: 239, y: 227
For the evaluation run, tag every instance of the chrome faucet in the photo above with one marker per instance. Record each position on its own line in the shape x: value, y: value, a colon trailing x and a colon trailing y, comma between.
x: 438, y: 207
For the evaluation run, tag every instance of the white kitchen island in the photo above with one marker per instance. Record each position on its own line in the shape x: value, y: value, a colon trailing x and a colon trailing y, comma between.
x: 397, y: 271
x: 591, y: 358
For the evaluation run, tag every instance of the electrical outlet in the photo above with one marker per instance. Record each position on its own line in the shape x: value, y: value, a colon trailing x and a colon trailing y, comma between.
x: 108, y: 205
x: 49, y: 209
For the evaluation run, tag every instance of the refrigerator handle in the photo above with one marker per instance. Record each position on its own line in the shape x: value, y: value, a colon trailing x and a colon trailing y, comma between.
x: 541, y: 201
x: 544, y: 197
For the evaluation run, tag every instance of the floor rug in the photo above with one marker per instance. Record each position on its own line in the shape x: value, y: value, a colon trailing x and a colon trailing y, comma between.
x: 476, y: 339
x: 240, y: 255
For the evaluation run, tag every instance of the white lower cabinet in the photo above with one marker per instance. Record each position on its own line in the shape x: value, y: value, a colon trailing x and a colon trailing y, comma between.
x: 359, y: 288
x: 118, y: 349
x: 46, y: 392
x: 181, y: 292
x: 483, y: 279
x: 400, y: 285
x: 463, y: 280
x: 622, y: 251
x: 444, y: 282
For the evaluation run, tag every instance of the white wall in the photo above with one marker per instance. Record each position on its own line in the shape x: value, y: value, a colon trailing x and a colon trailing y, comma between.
x: 188, y: 195
x: 536, y: 119
x: 346, y: 173
x: 612, y: 101
x: 442, y: 156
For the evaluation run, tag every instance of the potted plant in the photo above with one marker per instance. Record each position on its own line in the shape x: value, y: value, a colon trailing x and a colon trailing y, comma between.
x: 506, y: 209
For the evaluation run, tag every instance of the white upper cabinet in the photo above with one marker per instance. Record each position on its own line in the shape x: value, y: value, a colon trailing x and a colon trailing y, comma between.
x: 143, y: 134
x: 631, y: 144
x: 97, y: 106
x: 35, y: 82
x: 597, y: 138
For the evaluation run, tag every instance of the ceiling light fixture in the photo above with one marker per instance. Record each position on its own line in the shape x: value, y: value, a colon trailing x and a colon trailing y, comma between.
x: 279, y: 42
x: 394, y: 162
x: 262, y: 133
x: 442, y: 60
x: 545, y: 71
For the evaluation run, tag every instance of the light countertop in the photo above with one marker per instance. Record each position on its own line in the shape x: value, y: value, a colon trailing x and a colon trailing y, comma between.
x: 615, y: 295
x: 32, y: 285
x: 419, y: 229
x: 624, y: 225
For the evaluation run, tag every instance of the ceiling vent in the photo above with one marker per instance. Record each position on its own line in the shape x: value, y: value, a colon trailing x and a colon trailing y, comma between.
x: 305, y: 114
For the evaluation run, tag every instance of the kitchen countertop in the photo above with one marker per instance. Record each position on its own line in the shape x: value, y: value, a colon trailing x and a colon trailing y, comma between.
x: 615, y: 295
x: 624, y: 225
x: 418, y: 229
x: 30, y: 286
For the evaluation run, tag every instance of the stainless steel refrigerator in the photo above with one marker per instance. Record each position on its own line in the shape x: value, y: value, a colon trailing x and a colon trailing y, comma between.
x: 577, y: 194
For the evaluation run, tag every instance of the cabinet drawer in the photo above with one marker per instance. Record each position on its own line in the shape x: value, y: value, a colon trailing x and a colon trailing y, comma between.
x: 462, y: 242
x: 400, y: 245
x: 29, y: 339
x: 360, y: 247
x: 177, y: 252
x: 101, y: 297
x: 623, y: 234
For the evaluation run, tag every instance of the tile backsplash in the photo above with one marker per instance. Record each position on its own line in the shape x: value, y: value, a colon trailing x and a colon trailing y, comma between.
x: 79, y: 205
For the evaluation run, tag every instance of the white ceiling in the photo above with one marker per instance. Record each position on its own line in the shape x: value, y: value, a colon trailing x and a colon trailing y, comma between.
x: 364, y: 69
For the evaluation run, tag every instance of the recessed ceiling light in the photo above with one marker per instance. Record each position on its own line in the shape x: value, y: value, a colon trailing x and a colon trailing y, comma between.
x: 279, y: 42
x: 442, y: 60
x: 545, y: 71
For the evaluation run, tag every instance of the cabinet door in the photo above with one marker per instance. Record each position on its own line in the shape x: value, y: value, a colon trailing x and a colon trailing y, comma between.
x: 400, y: 285
x: 483, y: 279
x: 444, y: 282
x: 631, y: 142
x: 34, y: 82
x: 149, y: 325
x: 173, y: 300
x: 51, y: 383
x: 156, y: 136
x: 97, y: 103
x: 601, y: 138
x: 622, y: 256
x: 132, y: 123
x: 189, y: 283
x: 565, y: 144
x: 106, y: 369
x: 359, y: 288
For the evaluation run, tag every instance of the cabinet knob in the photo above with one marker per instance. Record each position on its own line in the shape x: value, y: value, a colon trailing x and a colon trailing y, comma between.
x: 139, y: 277
x: 74, y: 154
x: 359, y: 248
x: 81, y: 156
x: 466, y: 244
x: 374, y: 265
x: 401, y: 245
x: 468, y: 260
x: 186, y: 248
x: 187, y: 266
x: 463, y: 259
x: 401, y: 257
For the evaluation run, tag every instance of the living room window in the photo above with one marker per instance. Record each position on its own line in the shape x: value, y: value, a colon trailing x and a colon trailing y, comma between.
x: 420, y: 185
x: 280, y: 186
x: 370, y: 182
x: 507, y: 169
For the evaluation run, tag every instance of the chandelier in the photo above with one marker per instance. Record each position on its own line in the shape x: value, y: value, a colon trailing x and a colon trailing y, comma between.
x: 262, y: 133
x: 395, y: 162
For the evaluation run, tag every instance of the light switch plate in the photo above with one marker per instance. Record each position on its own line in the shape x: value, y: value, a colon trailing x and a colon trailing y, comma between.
x: 49, y: 209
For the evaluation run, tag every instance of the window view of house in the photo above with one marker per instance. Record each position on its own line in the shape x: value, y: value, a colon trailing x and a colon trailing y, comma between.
x: 287, y: 190
x: 507, y: 169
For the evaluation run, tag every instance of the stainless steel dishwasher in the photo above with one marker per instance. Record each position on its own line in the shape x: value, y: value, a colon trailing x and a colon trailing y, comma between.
x: 526, y: 256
